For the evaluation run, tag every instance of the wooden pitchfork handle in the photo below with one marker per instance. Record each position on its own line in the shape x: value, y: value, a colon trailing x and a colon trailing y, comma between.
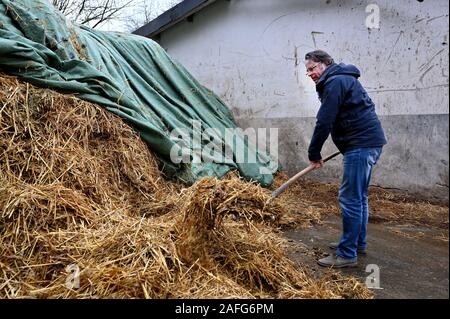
x: 293, y: 179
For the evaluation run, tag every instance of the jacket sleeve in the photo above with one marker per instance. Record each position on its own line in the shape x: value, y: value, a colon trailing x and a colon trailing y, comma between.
x: 332, y: 98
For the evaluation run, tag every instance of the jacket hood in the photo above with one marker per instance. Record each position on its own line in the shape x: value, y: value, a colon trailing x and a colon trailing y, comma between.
x: 338, y: 69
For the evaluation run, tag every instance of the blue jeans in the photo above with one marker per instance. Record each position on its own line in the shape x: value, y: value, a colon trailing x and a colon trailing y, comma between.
x: 353, y: 199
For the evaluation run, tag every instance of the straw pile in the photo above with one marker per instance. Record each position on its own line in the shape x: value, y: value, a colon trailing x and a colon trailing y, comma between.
x: 308, y: 202
x: 302, y: 206
x: 81, y: 197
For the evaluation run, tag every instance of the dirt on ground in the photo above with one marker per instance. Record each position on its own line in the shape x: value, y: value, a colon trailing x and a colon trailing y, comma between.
x: 411, y: 268
x: 407, y: 238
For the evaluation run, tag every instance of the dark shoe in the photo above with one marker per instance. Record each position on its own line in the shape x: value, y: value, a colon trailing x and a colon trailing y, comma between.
x: 361, y: 250
x: 337, y: 261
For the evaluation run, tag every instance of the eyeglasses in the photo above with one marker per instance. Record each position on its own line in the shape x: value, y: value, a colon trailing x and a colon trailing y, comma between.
x: 309, y: 70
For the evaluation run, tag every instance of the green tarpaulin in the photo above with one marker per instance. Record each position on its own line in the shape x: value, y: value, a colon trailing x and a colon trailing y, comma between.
x: 134, y: 78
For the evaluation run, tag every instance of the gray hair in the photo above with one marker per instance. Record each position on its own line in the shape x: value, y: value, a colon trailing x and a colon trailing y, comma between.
x: 319, y: 56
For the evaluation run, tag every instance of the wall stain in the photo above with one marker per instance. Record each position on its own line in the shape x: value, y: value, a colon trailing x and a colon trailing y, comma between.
x: 423, y: 66
x: 313, y: 35
x: 424, y: 73
x: 393, y: 47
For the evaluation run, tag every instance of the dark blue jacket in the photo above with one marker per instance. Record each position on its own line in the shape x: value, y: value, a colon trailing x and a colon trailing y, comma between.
x: 346, y: 111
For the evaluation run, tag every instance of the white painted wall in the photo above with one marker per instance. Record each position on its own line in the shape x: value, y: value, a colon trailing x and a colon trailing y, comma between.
x: 250, y: 52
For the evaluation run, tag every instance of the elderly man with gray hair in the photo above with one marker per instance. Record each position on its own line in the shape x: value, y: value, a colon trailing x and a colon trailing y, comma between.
x: 348, y: 113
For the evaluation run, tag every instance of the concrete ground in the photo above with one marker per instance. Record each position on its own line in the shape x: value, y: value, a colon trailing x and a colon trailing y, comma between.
x: 413, y: 262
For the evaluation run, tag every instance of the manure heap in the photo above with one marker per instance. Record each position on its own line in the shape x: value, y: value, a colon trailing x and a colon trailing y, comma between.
x: 79, y: 188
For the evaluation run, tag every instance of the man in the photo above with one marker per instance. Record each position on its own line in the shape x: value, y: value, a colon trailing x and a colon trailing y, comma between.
x: 348, y: 113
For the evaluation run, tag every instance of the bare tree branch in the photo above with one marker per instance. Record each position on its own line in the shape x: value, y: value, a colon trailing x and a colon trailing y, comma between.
x: 91, y: 12
x: 131, y: 13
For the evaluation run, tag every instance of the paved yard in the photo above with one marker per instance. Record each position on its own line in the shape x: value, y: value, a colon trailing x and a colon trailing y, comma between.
x: 410, y: 266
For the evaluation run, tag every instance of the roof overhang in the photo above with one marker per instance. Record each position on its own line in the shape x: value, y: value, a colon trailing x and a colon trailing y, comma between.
x: 171, y: 17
